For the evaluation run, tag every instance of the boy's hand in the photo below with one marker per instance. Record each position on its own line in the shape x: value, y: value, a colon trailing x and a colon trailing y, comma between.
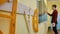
x: 53, y: 24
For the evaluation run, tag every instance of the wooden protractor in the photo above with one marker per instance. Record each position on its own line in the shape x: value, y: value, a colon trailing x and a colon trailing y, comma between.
x: 35, y: 21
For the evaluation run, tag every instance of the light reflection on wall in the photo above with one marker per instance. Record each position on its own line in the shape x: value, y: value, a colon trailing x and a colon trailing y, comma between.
x: 42, y: 18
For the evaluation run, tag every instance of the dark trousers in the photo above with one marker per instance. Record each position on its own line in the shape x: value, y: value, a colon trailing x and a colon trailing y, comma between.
x: 55, y: 29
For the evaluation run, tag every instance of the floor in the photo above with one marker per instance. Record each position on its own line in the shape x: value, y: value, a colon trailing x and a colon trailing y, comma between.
x: 51, y: 32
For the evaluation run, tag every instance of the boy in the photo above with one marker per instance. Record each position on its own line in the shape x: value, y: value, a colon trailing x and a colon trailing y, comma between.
x: 54, y: 18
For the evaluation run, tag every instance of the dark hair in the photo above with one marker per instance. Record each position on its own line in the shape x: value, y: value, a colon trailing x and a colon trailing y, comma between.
x: 54, y: 6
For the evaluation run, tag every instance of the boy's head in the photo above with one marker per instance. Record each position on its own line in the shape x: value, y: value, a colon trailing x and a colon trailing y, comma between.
x: 54, y: 7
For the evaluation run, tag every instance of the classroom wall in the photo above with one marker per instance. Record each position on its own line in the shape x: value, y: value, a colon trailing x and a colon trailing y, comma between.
x: 19, y: 29
x: 20, y: 25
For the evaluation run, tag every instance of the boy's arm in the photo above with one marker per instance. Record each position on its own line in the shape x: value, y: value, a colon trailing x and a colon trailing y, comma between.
x: 49, y: 14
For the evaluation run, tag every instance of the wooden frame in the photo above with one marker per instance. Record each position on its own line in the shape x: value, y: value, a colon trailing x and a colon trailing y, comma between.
x: 3, y: 1
x: 13, y: 20
x: 12, y: 17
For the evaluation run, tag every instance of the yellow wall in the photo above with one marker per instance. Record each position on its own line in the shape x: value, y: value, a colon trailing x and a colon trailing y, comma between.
x: 49, y: 4
x: 20, y: 25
